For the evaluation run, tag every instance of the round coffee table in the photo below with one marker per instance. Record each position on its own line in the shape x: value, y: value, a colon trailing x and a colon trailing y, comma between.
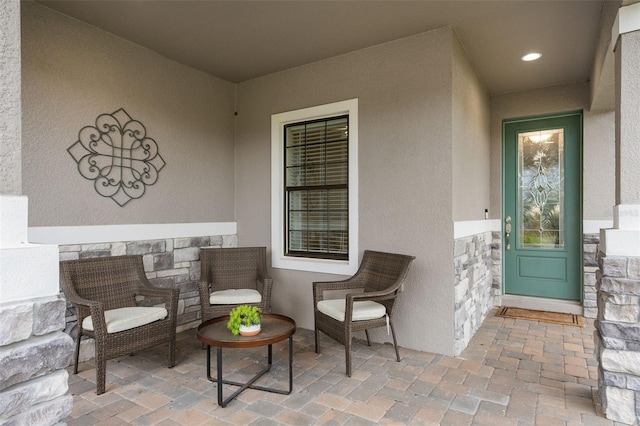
x: 274, y: 328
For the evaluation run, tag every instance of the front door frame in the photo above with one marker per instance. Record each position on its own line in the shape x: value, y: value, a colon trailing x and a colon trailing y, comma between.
x: 580, y: 213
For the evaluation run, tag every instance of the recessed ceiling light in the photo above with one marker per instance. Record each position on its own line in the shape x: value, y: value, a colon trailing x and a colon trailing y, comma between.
x: 531, y: 57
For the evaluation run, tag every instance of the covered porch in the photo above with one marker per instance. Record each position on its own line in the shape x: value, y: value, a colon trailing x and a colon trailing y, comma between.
x: 513, y: 372
x: 430, y: 185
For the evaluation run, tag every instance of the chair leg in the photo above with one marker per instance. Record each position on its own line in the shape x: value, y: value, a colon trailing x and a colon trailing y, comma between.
x: 347, y: 353
x: 317, y: 334
x: 172, y: 351
x: 77, y: 354
x: 395, y: 344
x: 366, y: 332
x: 101, y: 371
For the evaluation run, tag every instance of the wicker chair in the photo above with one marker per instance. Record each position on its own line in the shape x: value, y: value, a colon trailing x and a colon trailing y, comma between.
x: 103, y: 291
x: 377, y: 284
x: 233, y: 276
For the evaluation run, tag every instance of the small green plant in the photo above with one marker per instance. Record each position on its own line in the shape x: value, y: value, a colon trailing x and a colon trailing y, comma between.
x: 243, y: 315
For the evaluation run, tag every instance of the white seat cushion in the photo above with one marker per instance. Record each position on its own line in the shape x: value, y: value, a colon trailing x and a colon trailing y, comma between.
x: 235, y: 297
x: 127, y: 318
x: 364, y: 310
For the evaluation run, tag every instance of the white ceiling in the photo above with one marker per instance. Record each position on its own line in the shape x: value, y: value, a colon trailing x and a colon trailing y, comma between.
x: 241, y: 40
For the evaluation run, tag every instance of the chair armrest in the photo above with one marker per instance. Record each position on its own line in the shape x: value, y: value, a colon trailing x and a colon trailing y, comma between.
x: 169, y: 295
x: 204, y: 288
x: 375, y: 296
x: 261, y: 282
x: 98, y: 320
x: 84, y: 308
x: 264, y: 286
x: 79, y: 301
x: 319, y: 287
x: 165, y: 293
x: 372, y: 295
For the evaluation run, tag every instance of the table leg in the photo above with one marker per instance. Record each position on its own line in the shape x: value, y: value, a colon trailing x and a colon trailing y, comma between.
x: 249, y: 384
x: 209, y: 364
x: 290, y: 363
x: 219, y: 376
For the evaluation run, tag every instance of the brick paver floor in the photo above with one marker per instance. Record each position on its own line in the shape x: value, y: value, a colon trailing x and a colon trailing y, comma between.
x: 514, y: 372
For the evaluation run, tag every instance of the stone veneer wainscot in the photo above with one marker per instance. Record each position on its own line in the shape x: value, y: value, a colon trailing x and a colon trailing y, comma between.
x: 478, y: 281
x: 617, y: 337
x: 473, y: 279
x: 33, y: 356
x: 590, y: 266
x: 590, y: 254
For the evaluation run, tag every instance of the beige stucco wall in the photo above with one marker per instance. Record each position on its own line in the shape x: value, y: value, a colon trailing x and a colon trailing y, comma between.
x: 72, y: 73
x: 471, y: 140
x: 628, y: 125
x: 10, y: 149
x: 598, y: 169
x: 405, y: 154
x: 598, y: 143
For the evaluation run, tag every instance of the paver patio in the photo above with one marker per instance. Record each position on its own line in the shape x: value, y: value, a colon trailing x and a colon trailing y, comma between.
x: 514, y: 372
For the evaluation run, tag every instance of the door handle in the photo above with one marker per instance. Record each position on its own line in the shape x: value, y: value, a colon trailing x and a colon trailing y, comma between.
x: 507, y: 230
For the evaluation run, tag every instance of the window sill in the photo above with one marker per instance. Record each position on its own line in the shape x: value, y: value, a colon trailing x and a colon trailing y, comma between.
x: 326, y: 266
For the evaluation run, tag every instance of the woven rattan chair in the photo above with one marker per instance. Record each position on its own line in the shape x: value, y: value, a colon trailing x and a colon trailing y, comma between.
x: 233, y: 276
x: 103, y: 291
x: 376, y: 286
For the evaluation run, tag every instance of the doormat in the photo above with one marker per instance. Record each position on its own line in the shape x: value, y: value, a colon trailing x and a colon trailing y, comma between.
x: 542, y: 316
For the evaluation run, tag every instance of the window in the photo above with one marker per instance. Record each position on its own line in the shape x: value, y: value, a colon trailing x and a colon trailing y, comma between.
x: 314, y: 188
x: 316, y: 158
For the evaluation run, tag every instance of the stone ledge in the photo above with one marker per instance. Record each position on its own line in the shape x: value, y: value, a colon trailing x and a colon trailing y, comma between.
x: 618, y: 285
x: 613, y: 266
x: 620, y: 344
x: 626, y: 362
x: 618, y: 404
x: 624, y: 308
x: 618, y: 380
x: 618, y: 331
x: 49, y: 316
x: 19, y: 320
x: 16, y: 323
x: 19, y: 398
x: 46, y: 413
x: 35, y: 357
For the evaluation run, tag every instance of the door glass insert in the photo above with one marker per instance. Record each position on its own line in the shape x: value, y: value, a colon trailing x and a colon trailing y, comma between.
x: 541, y: 189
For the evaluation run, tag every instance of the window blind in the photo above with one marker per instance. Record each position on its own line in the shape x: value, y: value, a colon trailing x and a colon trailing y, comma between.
x: 316, y: 187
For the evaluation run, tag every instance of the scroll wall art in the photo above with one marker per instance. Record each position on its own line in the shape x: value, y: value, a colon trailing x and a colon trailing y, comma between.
x: 117, y: 156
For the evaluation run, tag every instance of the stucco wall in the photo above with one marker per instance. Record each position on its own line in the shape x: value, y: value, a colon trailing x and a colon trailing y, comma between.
x: 598, y: 142
x: 10, y: 149
x: 405, y: 154
x: 471, y: 141
x: 598, y: 171
x: 72, y: 73
x: 628, y: 128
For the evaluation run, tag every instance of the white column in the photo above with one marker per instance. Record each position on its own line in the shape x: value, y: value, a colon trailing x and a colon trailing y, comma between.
x: 33, y: 351
x: 624, y: 238
x: 618, y: 281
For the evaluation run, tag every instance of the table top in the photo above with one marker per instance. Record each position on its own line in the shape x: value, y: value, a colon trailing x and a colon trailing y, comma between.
x: 274, y: 328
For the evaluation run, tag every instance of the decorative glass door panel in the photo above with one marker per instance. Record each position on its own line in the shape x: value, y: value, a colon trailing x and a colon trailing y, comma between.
x: 541, y: 189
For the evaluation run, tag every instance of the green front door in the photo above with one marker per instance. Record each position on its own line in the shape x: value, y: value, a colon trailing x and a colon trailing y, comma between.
x: 542, y: 229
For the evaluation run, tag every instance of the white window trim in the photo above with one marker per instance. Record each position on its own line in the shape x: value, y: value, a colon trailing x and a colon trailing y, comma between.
x: 278, y: 121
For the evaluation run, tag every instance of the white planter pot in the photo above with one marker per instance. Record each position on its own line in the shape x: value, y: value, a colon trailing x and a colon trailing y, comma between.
x: 251, y: 330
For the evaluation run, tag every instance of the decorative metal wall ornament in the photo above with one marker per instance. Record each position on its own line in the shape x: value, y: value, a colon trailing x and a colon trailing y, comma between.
x: 118, y: 156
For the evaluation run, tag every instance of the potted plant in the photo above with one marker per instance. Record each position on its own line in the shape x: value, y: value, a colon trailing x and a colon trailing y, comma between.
x: 245, y: 320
